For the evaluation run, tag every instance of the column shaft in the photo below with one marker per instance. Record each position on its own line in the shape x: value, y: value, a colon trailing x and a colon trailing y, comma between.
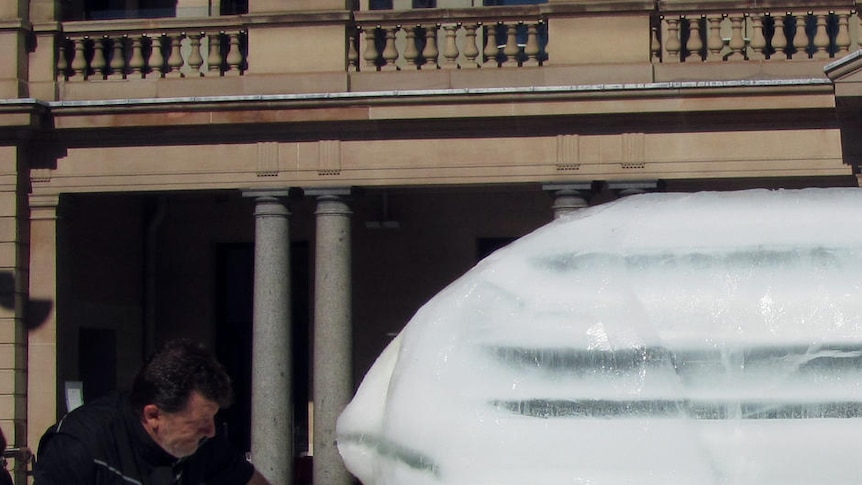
x: 41, y: 379
x: 272, y: 406
x: 333, y: 384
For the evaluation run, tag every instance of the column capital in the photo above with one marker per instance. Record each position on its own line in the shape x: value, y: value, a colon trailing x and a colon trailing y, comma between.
x: 272, y: 192
x: 631, y: 187
x: 330, y: 191
x: 569, y: 197
x: 574, y: 186
x: 43, y: 206
x: 332, y: 202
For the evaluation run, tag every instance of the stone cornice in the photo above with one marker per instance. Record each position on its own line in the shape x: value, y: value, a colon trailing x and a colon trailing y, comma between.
x: 533, y: 102
x: 676, y: 88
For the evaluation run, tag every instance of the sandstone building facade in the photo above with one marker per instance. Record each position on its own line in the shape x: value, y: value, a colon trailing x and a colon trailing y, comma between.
x: 289, y: 180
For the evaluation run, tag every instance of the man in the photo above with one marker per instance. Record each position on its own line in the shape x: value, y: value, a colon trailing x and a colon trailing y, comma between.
x: 162, y: 433
x: 5, y: 477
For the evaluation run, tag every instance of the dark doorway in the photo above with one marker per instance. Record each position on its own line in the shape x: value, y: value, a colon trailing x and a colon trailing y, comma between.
x: 235, y: 289
x: 97, y: 361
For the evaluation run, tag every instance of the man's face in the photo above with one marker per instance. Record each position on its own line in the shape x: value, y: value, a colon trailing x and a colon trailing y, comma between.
x: 181, y: 433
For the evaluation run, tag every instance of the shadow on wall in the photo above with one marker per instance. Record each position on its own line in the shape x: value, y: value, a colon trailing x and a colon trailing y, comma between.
x: 37, y: 310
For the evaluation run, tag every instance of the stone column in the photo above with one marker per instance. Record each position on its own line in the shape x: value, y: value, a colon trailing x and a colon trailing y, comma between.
x: 333, y: 379
x: 568, y: 197
x: 13, y: 291
x: 42, y: 387
x: 271, y: 399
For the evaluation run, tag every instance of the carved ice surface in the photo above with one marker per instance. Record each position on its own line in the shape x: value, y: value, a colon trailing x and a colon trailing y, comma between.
x: 707, y: 338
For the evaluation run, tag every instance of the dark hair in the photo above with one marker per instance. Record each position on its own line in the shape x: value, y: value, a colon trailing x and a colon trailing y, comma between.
x: 2, y: 441
x: 172, y: 373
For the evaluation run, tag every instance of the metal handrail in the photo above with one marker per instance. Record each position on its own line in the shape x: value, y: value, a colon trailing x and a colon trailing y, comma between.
x: 21, y: 455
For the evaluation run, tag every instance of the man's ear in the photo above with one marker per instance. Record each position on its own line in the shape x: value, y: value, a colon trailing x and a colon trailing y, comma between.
x: 151, y: 414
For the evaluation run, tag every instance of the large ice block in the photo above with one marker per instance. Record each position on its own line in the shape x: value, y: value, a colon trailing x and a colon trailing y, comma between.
x: 706, y: 338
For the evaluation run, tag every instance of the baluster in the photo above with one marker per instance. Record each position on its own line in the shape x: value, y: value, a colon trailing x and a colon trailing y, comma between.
x: 714, y: 43
x: 471, y: 50
x: 856, y: 23
x: 800, y: 39
x: 157, y: 59
x: 99, y: 64
x: 821, y: 38
x: 450, y: 52
x: 352, y: 52
x: 214, y: 59
x: 175, y: 59
x: 737, y: 43
x: 842, y: 37
x: 491, y: 47
x: 695, y: 42
x: 655, y: 45
x: 430, y: 53
x: 511, y: 50
x: 411, y: 52
x: 390, y: 51
x: 758, y: 40
x: 79, y: 62
x: 531, y: 50
x: 779, y: 39
x: 118, y: 58
x: 370, y: 55
x: 672, y: 46
x: 234, y: 55
x: 196, y: 60
x: 62, y: 63
x: 136, y: 62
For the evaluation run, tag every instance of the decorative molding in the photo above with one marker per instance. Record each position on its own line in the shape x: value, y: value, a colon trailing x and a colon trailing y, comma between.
x: 568, y: 153
x: 329, y: 158
x: 40, y: 175
x: 267, y: 159
x: 633, y: 150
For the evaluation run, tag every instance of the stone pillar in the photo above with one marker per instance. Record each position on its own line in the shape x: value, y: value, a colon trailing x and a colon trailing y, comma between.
x: 43, y: 393
x: 568, y: 197
x: 198, y: 8
x: 333, y: 379
x: 271, y: 399
x: 13, y: 290
x: 42, y: 60
x: 14, y: 31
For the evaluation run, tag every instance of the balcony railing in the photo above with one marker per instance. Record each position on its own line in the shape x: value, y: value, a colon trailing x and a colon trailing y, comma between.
x: 756, y: 35
x: 113, y: 50
x: 451, y: 39
x: 492, y: 38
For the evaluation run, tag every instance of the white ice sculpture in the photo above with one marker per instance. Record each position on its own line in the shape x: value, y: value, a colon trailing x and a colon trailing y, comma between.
x: 663, y: 339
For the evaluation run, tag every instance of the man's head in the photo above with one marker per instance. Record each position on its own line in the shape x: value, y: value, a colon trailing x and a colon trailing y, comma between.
x: 177, y: 394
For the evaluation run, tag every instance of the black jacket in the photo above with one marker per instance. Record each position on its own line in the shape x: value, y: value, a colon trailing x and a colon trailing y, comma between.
x: 104, y: 443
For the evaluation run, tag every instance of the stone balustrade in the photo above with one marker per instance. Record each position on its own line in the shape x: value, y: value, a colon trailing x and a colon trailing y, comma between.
x: 783, y: 33
x: 453, y: 39
x: 140, y: 52
x: 673, y: 31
